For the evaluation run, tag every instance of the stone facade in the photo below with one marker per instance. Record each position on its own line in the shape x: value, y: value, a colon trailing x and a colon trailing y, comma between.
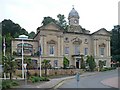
x: 55, y: 43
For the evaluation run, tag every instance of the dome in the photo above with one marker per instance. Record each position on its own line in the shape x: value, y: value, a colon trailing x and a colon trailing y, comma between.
x: 73, y: 13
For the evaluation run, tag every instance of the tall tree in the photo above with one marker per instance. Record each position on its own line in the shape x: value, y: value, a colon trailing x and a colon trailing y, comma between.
x: 91, y: 62
x: 46, y: 65
x: 65, y: 62
x: 8, y: 26
x: 115, y: 43
x: 62, y: 22
x: 31, y: 34
x: 48, y: 20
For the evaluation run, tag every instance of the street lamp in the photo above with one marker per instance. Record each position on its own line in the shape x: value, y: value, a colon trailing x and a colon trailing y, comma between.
x: 23, y: 37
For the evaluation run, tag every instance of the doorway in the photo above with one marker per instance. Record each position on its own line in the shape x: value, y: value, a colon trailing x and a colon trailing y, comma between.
x: 77, y: 64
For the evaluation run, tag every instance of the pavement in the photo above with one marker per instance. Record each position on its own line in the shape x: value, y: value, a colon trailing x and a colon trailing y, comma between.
x: 56, y: 82
x: 112, y: 82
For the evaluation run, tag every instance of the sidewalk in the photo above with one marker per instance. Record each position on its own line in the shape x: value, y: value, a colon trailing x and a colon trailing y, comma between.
x: 112, y: 82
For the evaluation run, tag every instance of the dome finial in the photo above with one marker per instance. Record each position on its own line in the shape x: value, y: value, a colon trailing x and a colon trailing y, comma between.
x: 73, y: 6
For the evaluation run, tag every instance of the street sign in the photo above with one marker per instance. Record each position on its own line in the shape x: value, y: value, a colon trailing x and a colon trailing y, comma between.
x: 78, y: 77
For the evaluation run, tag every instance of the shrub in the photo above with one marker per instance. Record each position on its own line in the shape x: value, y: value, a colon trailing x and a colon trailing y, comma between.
x: 6, y: 84
x: 37, y: 79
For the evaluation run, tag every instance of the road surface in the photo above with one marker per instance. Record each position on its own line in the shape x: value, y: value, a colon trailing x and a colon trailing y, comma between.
x: 93, y: 81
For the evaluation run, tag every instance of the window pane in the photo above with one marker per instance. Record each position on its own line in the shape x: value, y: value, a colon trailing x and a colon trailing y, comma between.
x: 66, y: 50
x: 77, y: 50
x: 86, y: 51
x: 101, y: 51
x: 51, y: 50
x: 55, y: 63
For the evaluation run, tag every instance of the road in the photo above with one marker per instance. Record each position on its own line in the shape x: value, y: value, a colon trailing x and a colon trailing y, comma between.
x: 93, y: 81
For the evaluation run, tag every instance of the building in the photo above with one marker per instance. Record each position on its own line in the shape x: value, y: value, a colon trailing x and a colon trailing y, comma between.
x: 55, y: 43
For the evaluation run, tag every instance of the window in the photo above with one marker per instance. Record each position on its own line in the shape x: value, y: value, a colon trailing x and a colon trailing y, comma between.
x: 55, y: 63
x: 77, y: 49
x: 85, y: 51
x: 51, y: 50
x: 66, y: 50
x: 101, y: 51
x: 86, y: 41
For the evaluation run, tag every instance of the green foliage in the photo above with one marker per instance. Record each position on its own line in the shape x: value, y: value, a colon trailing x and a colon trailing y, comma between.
x: 46, y: 64
x: 91, y: 62
x: 9, y: 65
x: 62, y: 22
x: 82, y: 63
x: 9, y: 27
x: 107, y: 69
x: 101, y: 64
x: 115, y: 43
x: 6, y: 84
x: 48, y: 20
x: 65, y: 62
x: 11, y: 30
x: 37, y: 79
x: 31, y: 35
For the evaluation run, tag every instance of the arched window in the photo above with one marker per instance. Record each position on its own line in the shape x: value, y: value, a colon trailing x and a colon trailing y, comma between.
x: 27, y: 48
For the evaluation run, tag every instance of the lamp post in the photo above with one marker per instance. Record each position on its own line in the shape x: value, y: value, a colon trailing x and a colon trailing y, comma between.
x: 22, y: 61
x: 23, y: 37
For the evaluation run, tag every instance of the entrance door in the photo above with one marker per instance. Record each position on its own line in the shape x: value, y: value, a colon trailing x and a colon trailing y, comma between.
x: 77, y: 64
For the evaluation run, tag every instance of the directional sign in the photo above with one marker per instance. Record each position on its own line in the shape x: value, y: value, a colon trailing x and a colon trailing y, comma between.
x: 78, y: 77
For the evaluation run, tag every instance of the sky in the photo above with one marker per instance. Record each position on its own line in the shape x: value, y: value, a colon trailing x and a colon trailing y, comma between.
x: 94, y: 14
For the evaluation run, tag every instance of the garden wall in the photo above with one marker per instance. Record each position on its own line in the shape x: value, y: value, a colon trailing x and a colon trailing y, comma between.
x: 51, y: 72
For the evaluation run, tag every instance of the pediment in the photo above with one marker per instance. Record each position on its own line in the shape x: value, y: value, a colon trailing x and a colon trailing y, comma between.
x: 51, y: 26
x: 102, y: 31
x: 76, y: 41
x: 51, y: 42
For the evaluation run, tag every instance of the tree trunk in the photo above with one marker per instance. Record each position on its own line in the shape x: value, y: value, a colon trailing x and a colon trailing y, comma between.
x: 10, y: 76
x: 45, y: 71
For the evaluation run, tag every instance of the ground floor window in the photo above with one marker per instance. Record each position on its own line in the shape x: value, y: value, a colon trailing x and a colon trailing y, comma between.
x: 55, y: 63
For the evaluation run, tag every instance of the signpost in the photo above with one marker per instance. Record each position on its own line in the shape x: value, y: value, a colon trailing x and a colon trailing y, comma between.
x: 77, y: 78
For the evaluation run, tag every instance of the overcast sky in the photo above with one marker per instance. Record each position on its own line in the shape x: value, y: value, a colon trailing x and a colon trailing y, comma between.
x: 94, y: 14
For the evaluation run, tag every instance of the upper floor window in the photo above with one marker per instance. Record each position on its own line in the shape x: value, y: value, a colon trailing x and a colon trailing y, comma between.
x: 27, y: 48
x: 51, y: 50
x: 66, y: 50
x: 102, y: 51
x: 86, y: 51
x: 77, y: 49
x: 86, y: 41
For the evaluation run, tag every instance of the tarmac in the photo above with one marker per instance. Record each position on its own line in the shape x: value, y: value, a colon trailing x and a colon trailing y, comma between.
x: 56, y: 82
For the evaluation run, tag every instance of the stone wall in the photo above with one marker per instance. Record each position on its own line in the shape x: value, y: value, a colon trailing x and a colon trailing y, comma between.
x: 51, y: 72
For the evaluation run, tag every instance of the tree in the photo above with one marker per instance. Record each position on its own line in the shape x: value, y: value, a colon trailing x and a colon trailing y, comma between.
x: 11, y: 30
x: 82, y: 62
x: 31, y: 35
x: 9, y: 65
x: 62, y: 22
x: 101, y: 64
x: 115, y: 43
x: 45, y: 65
x: 8, y: 26
x: 65, y: 62
x: 91, y: 62
x: 48, y: 20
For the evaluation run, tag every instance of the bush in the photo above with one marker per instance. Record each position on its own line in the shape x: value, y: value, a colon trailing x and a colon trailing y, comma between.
x: 6, y: 84
x: 107, y: 69
x: 37, y: 79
